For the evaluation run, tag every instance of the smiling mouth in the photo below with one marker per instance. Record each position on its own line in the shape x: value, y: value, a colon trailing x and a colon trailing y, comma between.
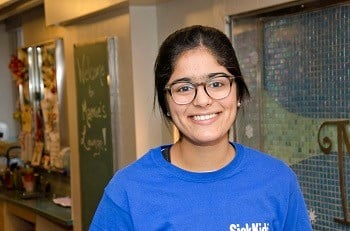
x: 204, y: 117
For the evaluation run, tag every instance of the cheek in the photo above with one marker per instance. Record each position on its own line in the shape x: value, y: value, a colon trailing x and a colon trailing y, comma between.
x: 177, y: 111
x: 169, y: 103
x: 231, y: 106
x: 231, y: 103
x: 234, y: 95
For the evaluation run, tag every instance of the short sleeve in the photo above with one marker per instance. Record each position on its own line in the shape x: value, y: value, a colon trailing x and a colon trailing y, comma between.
x: 297, y: 215
x: 109, y: 216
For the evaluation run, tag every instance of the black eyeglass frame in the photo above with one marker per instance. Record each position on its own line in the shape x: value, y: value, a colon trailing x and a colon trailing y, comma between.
x: 204, y: 84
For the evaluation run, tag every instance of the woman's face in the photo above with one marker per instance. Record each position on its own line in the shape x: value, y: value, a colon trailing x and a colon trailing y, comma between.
x: 204, y: 121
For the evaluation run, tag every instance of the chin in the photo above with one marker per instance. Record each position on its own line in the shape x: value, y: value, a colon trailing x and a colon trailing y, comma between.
x: 208, y: 141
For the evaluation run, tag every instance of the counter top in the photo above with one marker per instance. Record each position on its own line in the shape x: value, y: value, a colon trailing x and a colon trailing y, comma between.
x: 43, y: 206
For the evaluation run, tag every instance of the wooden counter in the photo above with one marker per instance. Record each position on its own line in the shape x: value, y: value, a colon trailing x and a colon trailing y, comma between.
x: 37, y: 214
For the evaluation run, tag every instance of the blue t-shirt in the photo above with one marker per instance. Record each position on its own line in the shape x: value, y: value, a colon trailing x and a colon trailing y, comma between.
x: 254, y: 192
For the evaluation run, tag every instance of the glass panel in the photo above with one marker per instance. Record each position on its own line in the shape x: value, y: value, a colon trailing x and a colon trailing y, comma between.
x: 40, y: 100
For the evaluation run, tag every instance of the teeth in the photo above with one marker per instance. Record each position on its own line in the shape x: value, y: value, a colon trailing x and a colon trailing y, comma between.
x: 204, y: 117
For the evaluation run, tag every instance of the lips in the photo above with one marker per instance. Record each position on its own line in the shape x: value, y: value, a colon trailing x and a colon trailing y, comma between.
x: 204, y: 117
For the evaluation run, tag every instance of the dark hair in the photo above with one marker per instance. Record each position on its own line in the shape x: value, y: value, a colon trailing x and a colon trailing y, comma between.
x: 215, y: 41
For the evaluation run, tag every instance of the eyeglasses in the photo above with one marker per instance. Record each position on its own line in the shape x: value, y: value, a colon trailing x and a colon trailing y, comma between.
x: 217, y: 87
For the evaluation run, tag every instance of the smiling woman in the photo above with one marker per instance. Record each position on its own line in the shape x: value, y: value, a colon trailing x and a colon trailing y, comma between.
x: 205, y: 120
x: 195, y: 183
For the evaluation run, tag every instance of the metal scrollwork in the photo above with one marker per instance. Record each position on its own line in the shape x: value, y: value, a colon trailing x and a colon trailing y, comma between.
x: 326, y: 140
x: 342, y: 138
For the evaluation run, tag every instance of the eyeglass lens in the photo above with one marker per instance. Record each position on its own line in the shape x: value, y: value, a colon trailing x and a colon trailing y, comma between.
x: 218, y: 87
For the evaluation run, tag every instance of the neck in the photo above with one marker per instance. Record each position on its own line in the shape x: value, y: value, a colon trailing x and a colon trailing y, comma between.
x: 200, y: 158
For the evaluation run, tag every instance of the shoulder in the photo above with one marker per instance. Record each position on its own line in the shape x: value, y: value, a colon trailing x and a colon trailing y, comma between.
x: 264, y: 163
x: 258, y: 166
x: 140, y: 168
x: 132, y: 177
x: 258, y: 156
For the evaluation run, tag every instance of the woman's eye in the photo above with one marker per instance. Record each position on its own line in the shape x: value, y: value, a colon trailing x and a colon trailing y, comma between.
x: 215, y: 84
x: 218, y: 82
x: 183, y: 88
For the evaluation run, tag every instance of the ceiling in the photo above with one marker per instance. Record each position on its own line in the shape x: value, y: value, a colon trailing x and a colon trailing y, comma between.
x: 4, y: 3
x: 9, y: 8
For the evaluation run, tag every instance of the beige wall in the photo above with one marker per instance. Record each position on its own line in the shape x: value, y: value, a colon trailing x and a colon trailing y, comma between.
x: 7, y: 86
x: 67, y: 10
x: 144, y: 45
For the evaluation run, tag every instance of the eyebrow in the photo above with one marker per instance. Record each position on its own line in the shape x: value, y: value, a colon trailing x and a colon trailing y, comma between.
x: 210, y: 75
x: 217, y: 73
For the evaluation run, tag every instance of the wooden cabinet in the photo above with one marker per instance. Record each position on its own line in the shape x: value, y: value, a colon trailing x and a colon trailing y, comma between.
x: 2, y: 215
x: 19, y: 218
x: 42, y: 224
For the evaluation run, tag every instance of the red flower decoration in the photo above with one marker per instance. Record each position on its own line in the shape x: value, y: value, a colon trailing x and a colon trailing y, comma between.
x: 18, y: 69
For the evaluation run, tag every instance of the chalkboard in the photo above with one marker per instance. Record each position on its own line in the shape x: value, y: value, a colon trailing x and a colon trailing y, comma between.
x: 93, y: 73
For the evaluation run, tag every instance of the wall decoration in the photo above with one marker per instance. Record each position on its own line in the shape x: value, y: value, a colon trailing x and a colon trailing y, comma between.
x: 38, y: 71
x: 96, y: 80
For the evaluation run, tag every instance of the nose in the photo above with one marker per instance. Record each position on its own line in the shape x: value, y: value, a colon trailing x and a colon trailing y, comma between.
x: 202, y: 98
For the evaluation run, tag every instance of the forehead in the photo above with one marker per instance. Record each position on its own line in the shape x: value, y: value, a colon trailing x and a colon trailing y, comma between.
x: 195, y: 64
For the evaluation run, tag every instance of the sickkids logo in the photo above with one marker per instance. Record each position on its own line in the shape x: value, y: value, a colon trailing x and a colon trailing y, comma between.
x: 258, y: 226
